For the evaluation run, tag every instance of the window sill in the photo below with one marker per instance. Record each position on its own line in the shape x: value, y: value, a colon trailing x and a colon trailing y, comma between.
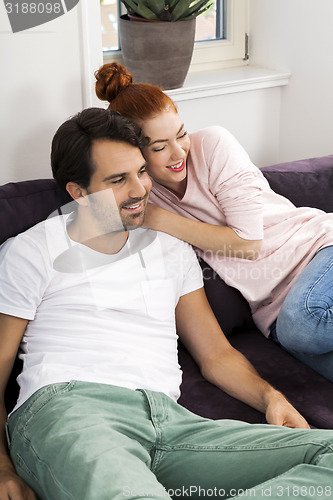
x: 228, y: 81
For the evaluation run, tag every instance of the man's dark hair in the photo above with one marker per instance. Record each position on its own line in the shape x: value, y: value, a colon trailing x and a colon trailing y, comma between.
x: 71, y: 159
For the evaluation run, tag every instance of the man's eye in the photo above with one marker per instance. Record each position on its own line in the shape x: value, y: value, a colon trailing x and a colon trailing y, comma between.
x: 143, y: 171
x: 117, y: 181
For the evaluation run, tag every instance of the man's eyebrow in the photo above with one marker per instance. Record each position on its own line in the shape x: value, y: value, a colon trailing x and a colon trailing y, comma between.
x: 166, y: 140
x: 122, y: 174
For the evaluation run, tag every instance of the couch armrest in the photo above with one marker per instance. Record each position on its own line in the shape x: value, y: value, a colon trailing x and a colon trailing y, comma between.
x: 307, y: 183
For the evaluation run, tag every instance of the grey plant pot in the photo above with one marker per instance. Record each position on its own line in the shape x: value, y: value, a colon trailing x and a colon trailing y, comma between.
x: 157, y: 52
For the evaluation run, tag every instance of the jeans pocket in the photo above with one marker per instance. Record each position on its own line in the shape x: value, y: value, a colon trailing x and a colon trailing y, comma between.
x: 21, y: 417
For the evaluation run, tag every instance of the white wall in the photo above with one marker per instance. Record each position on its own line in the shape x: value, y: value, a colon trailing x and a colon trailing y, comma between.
x: 297, y: 35
x: 252, y: 117
x: 41, y: 85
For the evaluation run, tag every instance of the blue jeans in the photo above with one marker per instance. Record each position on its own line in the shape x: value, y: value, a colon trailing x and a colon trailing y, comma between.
x: 89, y: 441
x: 304, y: 326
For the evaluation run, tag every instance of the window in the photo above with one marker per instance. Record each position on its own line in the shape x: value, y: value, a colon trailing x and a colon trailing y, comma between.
x: 209, y: 26
x: 220, y: 34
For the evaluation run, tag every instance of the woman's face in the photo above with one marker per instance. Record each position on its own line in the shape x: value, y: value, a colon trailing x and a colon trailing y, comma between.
x: 167, y: 150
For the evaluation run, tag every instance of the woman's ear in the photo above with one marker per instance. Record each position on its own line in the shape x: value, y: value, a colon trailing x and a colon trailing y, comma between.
x: 77, y: 193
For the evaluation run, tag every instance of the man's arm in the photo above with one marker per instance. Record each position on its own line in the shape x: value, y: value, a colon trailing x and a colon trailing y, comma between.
x: 11, y: 331
x: 224, y: 366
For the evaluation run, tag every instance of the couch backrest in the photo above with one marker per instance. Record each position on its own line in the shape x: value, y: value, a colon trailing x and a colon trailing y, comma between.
x: 24, y: 204
x: 307, y: 183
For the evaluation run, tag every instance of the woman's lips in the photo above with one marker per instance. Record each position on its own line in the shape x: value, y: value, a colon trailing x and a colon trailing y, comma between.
x: 177, y: 167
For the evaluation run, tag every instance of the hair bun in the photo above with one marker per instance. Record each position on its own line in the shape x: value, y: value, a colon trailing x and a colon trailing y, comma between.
x: 111, y: 79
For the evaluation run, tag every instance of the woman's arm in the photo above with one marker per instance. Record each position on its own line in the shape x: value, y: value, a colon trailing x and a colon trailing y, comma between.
x: 208, y: 237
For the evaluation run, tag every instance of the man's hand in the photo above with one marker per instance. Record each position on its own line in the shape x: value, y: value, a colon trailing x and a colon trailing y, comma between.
x: 280, y: 412
x: 13, y: 488
x: 227, y: 368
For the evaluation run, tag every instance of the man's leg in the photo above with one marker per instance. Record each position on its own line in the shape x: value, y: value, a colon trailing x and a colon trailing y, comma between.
x: 305, y: 323
x: 201, y: 458
x: 85, y: 441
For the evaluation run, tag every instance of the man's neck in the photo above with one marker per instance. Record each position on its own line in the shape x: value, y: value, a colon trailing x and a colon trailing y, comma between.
x: 85, y: 234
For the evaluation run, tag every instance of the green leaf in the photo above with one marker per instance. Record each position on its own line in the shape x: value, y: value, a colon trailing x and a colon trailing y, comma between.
x: 197, y: 8
x: 177, y: 9
x: 180, y: 9
x: 156, y: 6
x: 130, y: 5
x: 145, y: 12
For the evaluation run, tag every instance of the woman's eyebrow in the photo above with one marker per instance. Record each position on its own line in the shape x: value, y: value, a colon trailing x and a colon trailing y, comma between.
x: 166, y: 140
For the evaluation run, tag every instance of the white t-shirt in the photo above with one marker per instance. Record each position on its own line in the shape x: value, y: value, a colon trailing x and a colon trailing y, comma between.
x: 96, y: 317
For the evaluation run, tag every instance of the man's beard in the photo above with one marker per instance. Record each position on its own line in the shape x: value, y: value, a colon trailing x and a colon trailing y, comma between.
x: 109, y: 217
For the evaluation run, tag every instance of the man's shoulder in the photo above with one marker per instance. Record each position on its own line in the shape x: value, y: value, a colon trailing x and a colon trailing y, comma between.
x: 36, y: 236
x: 166, y: 240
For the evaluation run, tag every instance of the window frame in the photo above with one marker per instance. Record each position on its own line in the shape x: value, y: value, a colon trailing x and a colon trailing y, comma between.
x: 215, y: 54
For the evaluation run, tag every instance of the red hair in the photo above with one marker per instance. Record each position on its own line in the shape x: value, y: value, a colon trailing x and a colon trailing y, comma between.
x: 136, y: 101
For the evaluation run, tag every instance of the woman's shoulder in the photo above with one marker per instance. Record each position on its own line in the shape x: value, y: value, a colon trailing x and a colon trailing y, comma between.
x: 209, y: 142
x: 212, y: 132
x: 211, y: 137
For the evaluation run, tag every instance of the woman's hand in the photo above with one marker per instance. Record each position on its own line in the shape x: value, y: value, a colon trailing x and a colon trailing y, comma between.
x: 154, y: 216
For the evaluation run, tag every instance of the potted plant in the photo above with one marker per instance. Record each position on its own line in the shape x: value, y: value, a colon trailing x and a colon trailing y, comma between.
x: 159, y: 51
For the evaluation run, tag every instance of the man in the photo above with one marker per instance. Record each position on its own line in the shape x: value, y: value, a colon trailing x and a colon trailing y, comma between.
x: 93, y: 301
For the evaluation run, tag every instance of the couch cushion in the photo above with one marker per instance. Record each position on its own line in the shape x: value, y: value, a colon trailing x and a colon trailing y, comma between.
x: 306, y: 183
x: 205, y: 399
x: 308, y: 391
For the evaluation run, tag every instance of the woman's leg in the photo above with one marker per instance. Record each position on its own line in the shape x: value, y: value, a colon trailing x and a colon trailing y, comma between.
x: 304, y: 326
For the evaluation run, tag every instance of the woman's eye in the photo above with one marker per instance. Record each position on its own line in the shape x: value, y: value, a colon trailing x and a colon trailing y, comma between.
x: 183, y: 135
x: 157, y: 150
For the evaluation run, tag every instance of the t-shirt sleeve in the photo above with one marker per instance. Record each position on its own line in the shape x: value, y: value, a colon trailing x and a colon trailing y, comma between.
x: 23, y: 277
x: 236, y: 183
x: 192, y: 274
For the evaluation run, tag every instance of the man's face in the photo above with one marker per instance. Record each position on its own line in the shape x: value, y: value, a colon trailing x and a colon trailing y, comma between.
x: 120, y: 186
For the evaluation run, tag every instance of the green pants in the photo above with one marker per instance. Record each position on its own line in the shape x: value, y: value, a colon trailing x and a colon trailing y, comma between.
x: 94, y: 441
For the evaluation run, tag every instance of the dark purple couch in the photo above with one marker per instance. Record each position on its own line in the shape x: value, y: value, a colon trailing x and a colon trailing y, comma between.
x: 306, y: 182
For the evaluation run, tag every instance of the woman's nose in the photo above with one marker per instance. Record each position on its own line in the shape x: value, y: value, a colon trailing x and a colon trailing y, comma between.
x: 177, y: 152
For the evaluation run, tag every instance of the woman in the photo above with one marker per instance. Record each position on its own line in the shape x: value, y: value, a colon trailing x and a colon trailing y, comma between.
x: 280, y: 257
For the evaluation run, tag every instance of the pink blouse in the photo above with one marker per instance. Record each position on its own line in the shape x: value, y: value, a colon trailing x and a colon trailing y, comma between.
x: 225, y: 188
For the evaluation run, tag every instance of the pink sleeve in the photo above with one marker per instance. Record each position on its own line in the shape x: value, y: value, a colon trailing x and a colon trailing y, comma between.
x: 235, y: 182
